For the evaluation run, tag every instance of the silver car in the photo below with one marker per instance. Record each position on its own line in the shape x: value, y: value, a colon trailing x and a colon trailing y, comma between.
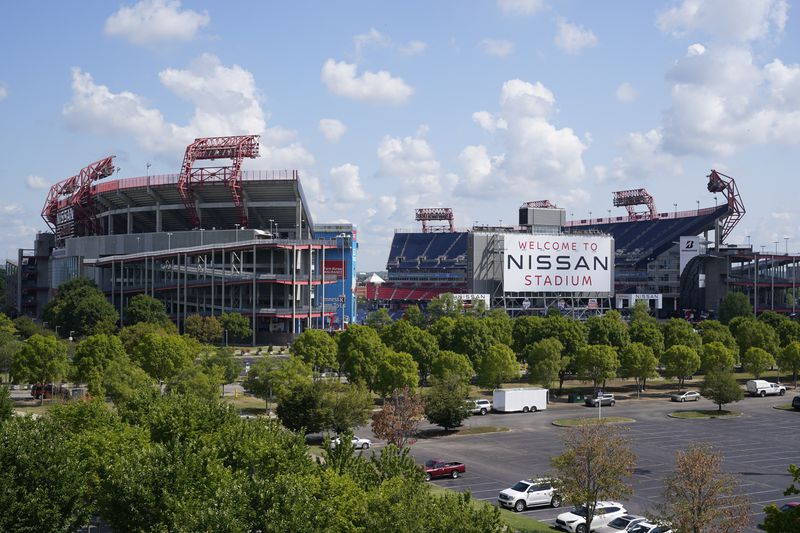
x: 688, y: 396
x: 624, y: 523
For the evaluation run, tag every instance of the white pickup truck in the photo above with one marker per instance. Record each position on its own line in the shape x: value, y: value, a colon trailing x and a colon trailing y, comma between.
x: 760, y: 387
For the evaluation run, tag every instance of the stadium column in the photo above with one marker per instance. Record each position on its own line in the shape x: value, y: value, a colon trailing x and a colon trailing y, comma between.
x: 322, y: 289
x: 310, y: 284
x: 158, y: 217
x: 185, y: 283
x: 129, y: 220
x: 112, y: 285
x: 294, y: 288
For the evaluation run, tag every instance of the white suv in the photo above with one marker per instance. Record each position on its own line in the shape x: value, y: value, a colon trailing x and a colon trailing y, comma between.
x: 575, y: 521
x: 529, y: 492
x: 481, y: 407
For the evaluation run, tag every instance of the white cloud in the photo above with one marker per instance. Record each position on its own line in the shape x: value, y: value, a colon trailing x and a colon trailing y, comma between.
x: 376, y: 38
x: 784, y: 83
x: 488, y: 121
x: 643, y: 158
x: 226, y: 102
x: 374, y: 87
x: 413, y: 48
x: 154, y: 21
x: 347, y: 183
x: 520, y: 7
x: 476, y: 167
x: 572, y: 38
x: 496, y: 47
x: 411, y: 161
x: 626, y: 92
x: 10, y: 209
x: 36, y: 182
x: 725, y: 20
x: 332, y: 129
x: 3, y: 92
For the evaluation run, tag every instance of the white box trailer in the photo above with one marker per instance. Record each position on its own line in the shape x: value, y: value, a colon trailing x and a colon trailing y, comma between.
x: 527, y: 400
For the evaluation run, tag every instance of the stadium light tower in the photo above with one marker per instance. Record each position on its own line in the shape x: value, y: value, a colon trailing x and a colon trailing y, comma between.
x: 786, y: 240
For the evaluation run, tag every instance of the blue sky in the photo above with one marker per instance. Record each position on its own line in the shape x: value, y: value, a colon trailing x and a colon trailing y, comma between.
x: 388, y: 106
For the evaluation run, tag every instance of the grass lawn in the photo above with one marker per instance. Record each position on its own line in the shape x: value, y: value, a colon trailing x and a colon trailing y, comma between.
x: 439, y: 432
x: 516, y: 522
x: 784, y: 407
x: 705, y: 413
x: 248, y: 405
x: 31, y: 409
x: 572, y: 422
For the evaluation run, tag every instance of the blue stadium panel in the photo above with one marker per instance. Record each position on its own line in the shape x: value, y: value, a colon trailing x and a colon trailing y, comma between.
x: 427, y: 251
x: 636, y: 242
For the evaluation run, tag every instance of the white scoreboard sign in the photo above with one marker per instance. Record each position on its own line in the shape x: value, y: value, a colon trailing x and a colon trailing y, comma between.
x: 558, y: 263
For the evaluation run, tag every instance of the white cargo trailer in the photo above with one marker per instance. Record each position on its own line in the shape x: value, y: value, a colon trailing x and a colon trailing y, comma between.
x: 527, y: 400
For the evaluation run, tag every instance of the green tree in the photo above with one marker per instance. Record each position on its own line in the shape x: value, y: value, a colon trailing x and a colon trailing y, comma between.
x: 443, y: 329
x: 772, y: 318
x: 8, y: 351
x: 271, y: 377
x: 414, y: 316
x: 757, y: 361
x: 732, y: 305
x: 713, y: 331
x: 789, y: 360
x: 700, y: 498
x: 597, y: 363
x: 80, y: 307
x: 637, y: 361
x: 360, y: 354
x: 640, y: 313
x: 131, y: 336
x: 498, y: 365
x: 144, y: 308
x: 346, y: 406
x: 395, y: 371
x: 94, y: 354
x: 40, y: 360
x: 402, y: 336
x: 716, y: 356
x: 678, y: 331
x: 527, y: 330
x: 302, y: 407
x: 472, y: 337
x: 227, y: 365
x: 445, y: 305
x: 237, y: 326
x: 545, y: 361
x: 317, y: 348
x: 123, y: 380
x: 197, y: 380
x: 720, y: 386
x: 447, y: 362
x: 596, y: 465
x: 162, y: 356
x: 751, y: 333
x: 8, y: 331
x: 205, y: 329
x: 788, y: 332
x: 680, y: 362
x: 777, y: 521
x: 445, y: 402
x: 649, y: 334
x: 500, y: 326
x: 608, y: 329
x: 378, y: 320
x: 27, y: 328
x: 6, y: 404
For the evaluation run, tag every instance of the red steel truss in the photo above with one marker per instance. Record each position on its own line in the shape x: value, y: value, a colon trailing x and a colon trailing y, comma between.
x: 73, y: 197
x: 633, y: 197
x: 235, y: 148
x: 719, y: 182
x: 539, y: 203
x: 427, y: 214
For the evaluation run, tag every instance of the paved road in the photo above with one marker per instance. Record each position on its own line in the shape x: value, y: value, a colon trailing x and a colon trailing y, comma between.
x: 758, y: 446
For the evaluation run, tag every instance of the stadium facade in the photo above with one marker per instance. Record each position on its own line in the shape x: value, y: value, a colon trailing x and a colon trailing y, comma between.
x: 677, y: 261
x: 208, y: 240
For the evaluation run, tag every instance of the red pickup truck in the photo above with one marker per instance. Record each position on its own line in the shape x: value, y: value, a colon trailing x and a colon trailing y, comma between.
x: 440, y: 468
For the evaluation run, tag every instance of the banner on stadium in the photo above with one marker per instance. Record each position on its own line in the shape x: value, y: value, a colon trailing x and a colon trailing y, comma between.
x: 334, y: 268
x: 557, y: 263
x: 690, y: 248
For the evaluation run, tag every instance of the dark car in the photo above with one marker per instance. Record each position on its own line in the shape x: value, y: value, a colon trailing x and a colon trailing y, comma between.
x: 42, y: 391
x: 796, y: 402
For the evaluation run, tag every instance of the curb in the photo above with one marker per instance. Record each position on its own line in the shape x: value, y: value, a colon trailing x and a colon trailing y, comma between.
x: 709, y: 417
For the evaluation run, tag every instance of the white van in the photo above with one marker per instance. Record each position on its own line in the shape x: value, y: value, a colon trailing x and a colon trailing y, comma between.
x: 527, y: 400
x: 760, y: 387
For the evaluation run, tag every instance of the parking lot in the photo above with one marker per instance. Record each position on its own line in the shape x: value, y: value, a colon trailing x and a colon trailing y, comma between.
x: 758, y: 446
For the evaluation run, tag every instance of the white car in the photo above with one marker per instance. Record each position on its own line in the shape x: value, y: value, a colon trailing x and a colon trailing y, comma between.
x: 688, y: 396
x: 575, y: 521
x: 626, y: 522
x: 528, y: 493
x: 358, y: 443
x: 481, y: 407
x: 647, y: 527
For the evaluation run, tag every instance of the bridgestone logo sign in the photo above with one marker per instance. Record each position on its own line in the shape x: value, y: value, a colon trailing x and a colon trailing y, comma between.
x: 565, y: 263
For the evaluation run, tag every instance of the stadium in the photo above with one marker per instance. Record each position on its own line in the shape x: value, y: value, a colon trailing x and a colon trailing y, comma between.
x: 207, y: 240
x: 678, y: 261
